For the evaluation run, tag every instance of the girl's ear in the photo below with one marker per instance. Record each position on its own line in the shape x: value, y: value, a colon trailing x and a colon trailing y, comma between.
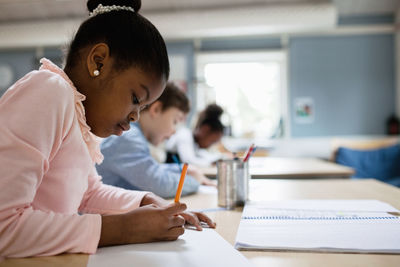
x: 98, y: 61
x: 155, y: 109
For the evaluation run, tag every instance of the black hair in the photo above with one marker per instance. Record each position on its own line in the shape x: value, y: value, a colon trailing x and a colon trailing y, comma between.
x: 211, y: 116
x: 132, y: 39
x: 174, y: 97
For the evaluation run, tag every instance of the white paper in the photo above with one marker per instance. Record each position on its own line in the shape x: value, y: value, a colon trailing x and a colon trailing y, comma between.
x: 208, y: 190
x: 194, y: 249
x: 362, y: 226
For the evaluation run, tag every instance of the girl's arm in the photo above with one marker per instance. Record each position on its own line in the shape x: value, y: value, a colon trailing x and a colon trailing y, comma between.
x: 124, y: 222
x: 108, y: 200
x: 34, y: 117
x: 146, y: 224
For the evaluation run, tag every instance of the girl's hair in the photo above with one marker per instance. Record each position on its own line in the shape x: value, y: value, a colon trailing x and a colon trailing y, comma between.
x: 174, y: 97
x: 211, y: 117
x: 132, y: 39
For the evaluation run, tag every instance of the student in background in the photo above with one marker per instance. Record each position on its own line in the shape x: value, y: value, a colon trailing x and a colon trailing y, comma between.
x: 191, y: 146
x: 127, y: 159
x: 52, y: 200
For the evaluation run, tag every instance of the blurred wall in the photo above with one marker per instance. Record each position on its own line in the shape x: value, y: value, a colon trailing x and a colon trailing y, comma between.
x: 351, y: 78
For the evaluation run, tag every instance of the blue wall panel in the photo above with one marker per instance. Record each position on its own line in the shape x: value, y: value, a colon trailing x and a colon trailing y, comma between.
x: 350, y: 78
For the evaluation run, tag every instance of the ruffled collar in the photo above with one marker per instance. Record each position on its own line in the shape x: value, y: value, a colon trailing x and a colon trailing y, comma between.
x: 92, y: 141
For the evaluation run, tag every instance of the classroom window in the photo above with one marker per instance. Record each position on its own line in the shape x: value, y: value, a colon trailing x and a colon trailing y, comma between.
x: 250, y: 86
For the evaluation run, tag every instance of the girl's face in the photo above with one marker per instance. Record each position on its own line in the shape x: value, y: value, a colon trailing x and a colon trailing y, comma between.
x: 206, y: 138
x: 118, y: 100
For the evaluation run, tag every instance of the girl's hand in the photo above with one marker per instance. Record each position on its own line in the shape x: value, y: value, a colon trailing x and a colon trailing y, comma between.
x: 145, y: 224
x: 191, y: 217
x: 196, y: 219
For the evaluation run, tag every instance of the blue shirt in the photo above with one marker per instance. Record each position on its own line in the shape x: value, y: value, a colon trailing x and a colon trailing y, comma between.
x: 129, y: 164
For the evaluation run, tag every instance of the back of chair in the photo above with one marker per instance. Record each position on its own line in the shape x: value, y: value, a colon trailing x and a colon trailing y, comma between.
x: 382, y: 164
x: 361, y: 144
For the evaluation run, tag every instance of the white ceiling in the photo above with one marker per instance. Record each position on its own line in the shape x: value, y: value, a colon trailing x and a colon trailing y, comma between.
x: 26, y: 10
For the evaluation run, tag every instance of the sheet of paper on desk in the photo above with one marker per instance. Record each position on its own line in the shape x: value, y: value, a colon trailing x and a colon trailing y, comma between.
x: 360, y: 226
x: 209, y: 190
x: 195, y: 249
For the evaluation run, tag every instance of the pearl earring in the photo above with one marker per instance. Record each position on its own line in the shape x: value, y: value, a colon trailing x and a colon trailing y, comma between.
x: 96, y: 73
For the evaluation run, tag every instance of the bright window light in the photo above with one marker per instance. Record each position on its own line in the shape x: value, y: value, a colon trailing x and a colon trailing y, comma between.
x: 250, y: 90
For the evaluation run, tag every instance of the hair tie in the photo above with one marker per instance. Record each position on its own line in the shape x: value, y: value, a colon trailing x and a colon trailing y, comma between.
x: 100, y: 9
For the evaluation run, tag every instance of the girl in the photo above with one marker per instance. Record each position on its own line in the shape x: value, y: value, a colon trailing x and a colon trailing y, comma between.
x: 52, y: 199
x: 190, y: 146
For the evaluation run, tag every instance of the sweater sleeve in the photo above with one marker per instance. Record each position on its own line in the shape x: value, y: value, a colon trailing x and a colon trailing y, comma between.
x: 35, y: 114
x: 107, y: 199
x: 128, y: 157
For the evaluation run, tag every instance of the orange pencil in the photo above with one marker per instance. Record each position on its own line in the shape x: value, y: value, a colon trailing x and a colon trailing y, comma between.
x: 180, y: 185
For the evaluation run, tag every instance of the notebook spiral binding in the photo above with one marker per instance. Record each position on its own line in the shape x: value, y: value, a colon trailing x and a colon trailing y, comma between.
x: 317, y: 218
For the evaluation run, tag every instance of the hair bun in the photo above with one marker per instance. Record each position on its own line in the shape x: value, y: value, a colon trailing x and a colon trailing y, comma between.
x: 135, y: 4
x: 213, y: 111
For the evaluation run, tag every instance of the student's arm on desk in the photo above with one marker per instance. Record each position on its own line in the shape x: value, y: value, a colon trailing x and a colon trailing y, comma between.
x: 136, y: 216
x: 199, y: 176
x: 133, y: 216
x: 155, y: 219
x: 130, y: 160
x: 148, y: 223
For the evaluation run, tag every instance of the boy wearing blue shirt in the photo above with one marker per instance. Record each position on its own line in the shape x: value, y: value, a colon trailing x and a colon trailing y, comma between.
x: 127, y: 159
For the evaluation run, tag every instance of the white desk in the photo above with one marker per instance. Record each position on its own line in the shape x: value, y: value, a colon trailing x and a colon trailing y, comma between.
x: 228, y: 222
x: 294, y: 168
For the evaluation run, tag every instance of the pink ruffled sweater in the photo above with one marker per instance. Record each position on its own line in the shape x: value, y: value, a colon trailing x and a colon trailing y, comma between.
x: 51, y: 196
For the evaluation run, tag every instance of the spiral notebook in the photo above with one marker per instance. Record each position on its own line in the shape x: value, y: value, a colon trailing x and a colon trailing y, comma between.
x: 354, y: 226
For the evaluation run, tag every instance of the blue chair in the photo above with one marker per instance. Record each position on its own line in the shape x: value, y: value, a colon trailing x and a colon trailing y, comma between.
x: 382, y: 164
